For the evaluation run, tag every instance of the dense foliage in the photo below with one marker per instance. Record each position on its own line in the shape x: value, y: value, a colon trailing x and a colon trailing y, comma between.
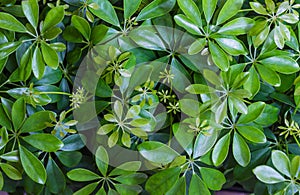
x: 149, y: 96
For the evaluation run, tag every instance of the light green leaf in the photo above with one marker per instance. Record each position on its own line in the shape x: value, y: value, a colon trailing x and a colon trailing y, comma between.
x: 11, y: 171
x: 290, y: 18
x: 197, y: 46
x: 9, y: 22
x: 295, y: 167
x: 126, y: 168
x: 33, y: 167
x: 191, y: 10
x: 88, y: 189
x: 230, y: 8
x: 261, y: 37
x: 281, y: 162
x: 220, y: 150
x: 53, y: 17
x: 44, y: 142
x: 155, y: 9
x: 130, y: 7
x: 219, y: 57
x: 241, y: 150
x: 157, y: 152
x: 268, y: 175
x: 209, y: 7
x: 105, y: 11
x: 199, y: 89
x: 238, y: 26
x: 258, y: 8
x: 105, y: 129
x: 81, y: 174
x: 31, y: 11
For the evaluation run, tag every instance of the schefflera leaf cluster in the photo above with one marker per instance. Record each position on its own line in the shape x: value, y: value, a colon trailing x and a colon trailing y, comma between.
x: 225, y: 71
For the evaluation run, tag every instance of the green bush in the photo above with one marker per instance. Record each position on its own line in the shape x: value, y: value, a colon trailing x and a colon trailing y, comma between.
x: 149, y: 96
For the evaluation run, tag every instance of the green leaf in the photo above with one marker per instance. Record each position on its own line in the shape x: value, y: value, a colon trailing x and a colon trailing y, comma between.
x: 49, y: 55
x: 209, y: 8
x: 254, y: 111
x: 71, y: 34
x: 213, y: 178
x: 105, y: 11
x: 11, y: 171
x: 178, y: 188
x: 268, y: 75
x: 18, y: 113
x: 12, y: 156
x: 241, y: 150
x: 157, y: 152
x: 219, y: 57
x: 191, y: 10
x: 8, y: 48
x: 282, y: 64
x: 44, y: 142
x: 9, y: 22
x: 269, y: 115
x: 31, y: 11
x: 220, y: 150
x: 221, y: 112
x: 199, y: 89
x: 146, y: 38
x: 53, y: 17
x: 252, y: 133
x: 238, y: 26
x: 290, y: 18
x: 204, y: 143
x: 295, y: 167
x: 230, y: 8
x: 82, y: 26
x: 102, y: 160
x: 37, y: 121
x: 187, y: 24
x: 69, y: 158
x: 52, y: 33
x: 268, y: 175
x: 155, y: 9
x: 231, y: 45
x: 38, y: 66
x: 126, y: 168
x: 33, y: 167
x: 132, y: 179
x: 197, y: 46
x: 81, y: 174
x: 4, y: 137
x: 1, y: 181
x: 258, y: 8
x: 197, y: 186
x: 162, y: 181
x: 261, y: 37
x: 281, y: 162
x: 130, y: 7
x: 56, y: 181
x: 253, y: 83
x: 238, y: 104
x: 184, y: 137
x: 105, y: 129
x: 88, y: 189
x: 113, y: 139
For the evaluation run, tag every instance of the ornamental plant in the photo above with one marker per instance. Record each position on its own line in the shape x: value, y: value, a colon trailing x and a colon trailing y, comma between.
x: 149, y: 96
